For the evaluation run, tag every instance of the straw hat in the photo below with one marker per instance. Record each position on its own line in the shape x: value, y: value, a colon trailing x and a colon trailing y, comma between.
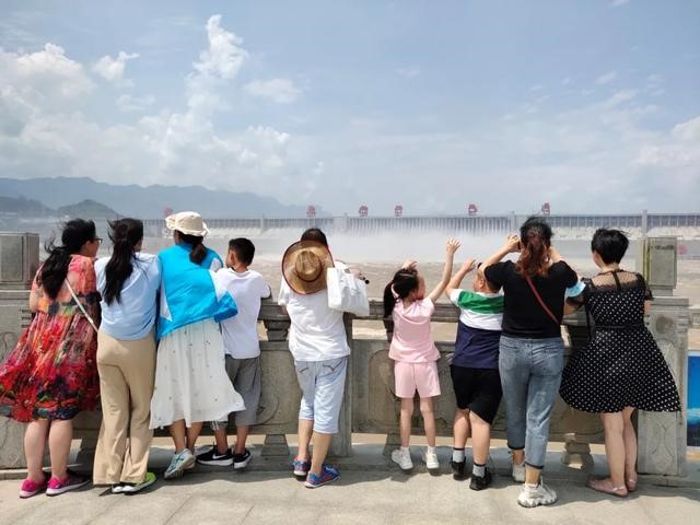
x: 187, y: 222
x: 304, y: 266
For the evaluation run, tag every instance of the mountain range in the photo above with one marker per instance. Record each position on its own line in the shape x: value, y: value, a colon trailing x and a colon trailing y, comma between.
x: 143, y: 202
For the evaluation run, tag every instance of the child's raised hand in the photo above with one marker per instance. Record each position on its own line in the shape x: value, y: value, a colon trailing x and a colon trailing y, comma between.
x: 469, y: 265
x: 452, y: 246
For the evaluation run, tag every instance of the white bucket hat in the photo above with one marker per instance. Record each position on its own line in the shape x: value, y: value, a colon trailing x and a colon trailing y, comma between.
x: 187, y: 222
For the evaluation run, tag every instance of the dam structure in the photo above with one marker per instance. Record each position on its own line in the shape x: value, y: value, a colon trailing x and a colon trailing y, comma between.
x: 685, y: 226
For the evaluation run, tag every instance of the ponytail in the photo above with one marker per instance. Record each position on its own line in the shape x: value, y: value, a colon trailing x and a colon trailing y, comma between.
x: 536, y: 237
x: 125, y: 235
x: 404, y: 282
x: 198, y: 252
x: 54, y: 271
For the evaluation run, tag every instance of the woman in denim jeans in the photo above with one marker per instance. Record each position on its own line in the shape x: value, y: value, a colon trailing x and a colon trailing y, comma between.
x: 531, y: 348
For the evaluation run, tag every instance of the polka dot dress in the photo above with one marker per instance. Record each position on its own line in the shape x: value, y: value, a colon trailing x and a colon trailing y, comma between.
x: 622, y: 366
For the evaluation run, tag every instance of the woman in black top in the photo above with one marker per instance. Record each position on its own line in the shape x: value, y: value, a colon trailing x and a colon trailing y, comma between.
x: 622, y: 368
x: 531, y: 348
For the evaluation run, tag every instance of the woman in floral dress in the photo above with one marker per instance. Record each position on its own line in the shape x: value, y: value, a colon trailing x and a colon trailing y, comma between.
x: 51, y: 374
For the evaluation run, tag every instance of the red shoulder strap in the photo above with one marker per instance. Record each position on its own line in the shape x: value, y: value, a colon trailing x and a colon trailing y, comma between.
x: 539, y: 300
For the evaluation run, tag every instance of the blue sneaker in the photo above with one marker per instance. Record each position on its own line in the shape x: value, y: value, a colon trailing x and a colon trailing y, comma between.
x: 301, y: 469
x: 328, y: 474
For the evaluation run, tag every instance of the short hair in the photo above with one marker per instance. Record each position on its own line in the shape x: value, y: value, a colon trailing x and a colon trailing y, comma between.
x: 611, y: 245
x: 243, y: 248
x: 492, y: 286
x: 315, y: 234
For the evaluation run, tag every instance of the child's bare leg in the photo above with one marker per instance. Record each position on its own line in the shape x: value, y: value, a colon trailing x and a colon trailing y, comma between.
x: 481, y: 439
x: 460, y: 429
x: 241, y: 437
x: 426, y: 410
x: 405, y: 420
x: 221, y: 439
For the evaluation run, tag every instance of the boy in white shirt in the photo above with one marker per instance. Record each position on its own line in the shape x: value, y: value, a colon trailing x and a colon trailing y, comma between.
x: 240, y: 334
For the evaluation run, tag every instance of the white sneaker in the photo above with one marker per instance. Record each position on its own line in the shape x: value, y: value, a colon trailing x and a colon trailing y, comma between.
x: 402, y: 458
x: 431, y: 459
x: 519, y: 473
x: 541, y: 495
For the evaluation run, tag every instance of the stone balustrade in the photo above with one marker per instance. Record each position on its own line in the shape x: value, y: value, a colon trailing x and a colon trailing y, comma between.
x: 370, y: 405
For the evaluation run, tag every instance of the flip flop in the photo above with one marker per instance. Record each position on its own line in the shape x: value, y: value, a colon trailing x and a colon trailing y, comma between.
x: 605, y: 486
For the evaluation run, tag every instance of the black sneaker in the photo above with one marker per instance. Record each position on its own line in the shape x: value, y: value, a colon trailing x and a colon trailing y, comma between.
x: 213, y: 458
x: 458, y: 468
x: 480, y: 482
x: 241, y: 460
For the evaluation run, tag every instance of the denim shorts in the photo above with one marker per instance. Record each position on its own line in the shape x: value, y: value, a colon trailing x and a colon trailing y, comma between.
x: 322, y: 386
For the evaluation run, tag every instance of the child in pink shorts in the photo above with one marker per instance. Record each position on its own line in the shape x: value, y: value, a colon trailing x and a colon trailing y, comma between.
x: 414, y: 352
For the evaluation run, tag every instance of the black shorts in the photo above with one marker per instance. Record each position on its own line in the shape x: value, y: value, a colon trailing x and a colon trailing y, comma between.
x: 478, y: 390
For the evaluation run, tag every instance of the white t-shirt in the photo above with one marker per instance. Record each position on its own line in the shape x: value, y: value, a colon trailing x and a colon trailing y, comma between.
x: 317, y: 332
x: 241, y: 332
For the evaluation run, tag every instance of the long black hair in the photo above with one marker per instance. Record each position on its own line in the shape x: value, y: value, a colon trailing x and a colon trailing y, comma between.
x: 198, y: 251
x: 125, y: 235
x: 75, y: 234
x: 403, y: 283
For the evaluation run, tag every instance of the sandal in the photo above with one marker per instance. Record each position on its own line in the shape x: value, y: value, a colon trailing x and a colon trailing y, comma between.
x: 606, y: 486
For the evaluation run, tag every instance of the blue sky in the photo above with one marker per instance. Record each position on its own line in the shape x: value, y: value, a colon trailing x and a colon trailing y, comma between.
x: 591, y: 105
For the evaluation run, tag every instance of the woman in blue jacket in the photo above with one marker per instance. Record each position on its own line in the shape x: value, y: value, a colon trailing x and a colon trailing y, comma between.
x: 191, y: 384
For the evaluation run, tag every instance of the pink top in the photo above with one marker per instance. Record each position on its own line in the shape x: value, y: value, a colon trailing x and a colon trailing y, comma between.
x: 413, y: 340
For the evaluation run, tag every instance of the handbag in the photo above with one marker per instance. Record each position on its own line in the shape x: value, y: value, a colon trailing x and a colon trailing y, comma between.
x: 541, y: 301
x: 80, y: 305
x: 346, y: 293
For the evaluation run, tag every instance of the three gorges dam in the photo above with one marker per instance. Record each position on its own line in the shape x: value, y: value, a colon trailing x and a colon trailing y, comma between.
x: 685, y: 226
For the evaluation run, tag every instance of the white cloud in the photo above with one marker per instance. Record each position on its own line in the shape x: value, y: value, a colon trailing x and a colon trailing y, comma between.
x: 112, y: 69
x: 44, y: 75
x: 128, y: 102
x: 408, y: 72
x: 280, y: 90
x: 606, y: 78
x: 224, y: 57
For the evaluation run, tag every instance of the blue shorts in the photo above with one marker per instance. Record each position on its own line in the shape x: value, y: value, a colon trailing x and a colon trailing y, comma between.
x: 322, y: 386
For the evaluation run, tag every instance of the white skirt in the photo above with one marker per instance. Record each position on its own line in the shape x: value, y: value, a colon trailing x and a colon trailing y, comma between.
x: 191, y: 381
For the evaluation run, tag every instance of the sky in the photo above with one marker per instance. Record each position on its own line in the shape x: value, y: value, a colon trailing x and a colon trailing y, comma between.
x: 591, y: 105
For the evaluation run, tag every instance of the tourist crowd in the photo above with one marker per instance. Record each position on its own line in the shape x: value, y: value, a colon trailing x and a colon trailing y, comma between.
x: 177, y: 347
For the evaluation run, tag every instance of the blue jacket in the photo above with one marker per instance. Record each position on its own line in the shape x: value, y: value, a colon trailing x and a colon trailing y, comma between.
x: 189, y: 292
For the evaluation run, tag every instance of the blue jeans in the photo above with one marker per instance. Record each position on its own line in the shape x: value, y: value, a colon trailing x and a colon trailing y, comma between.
x: 530, y: 374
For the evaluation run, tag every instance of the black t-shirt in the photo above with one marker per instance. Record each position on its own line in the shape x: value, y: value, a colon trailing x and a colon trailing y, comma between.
x: 523, y: 316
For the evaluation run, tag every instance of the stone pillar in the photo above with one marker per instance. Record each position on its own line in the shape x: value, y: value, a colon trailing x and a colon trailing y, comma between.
x: 645, y: 223
x: 341, y: 445
x: 19, y: 260
x: 663, y: 435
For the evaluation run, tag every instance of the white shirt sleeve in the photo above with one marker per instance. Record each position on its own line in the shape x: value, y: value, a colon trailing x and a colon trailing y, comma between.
x: 264, y: 288
x: 284, y: 294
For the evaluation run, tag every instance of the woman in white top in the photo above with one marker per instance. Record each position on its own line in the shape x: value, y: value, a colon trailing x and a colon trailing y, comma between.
x: 126, y: 355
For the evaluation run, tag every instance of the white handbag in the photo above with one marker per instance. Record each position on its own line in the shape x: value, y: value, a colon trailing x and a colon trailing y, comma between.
x: 346, y: 293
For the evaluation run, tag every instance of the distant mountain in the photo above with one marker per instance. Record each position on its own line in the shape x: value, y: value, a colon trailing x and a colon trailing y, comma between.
x: 88, y: 208
x: 23, y: 206
x: 147, y: 202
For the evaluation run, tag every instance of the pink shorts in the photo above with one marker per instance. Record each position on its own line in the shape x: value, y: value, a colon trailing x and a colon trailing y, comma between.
x: 416, y: 376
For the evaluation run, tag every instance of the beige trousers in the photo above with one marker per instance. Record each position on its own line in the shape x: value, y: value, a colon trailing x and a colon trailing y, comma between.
x: 127, y: 371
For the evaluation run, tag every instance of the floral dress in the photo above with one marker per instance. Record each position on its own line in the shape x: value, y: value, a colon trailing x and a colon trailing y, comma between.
x: 52, y: 372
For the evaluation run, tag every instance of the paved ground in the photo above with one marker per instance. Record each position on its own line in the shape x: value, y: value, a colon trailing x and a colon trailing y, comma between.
x: 359, y: 497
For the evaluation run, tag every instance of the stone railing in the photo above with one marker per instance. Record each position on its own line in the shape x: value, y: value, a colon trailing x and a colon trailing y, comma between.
x: 370, y: 405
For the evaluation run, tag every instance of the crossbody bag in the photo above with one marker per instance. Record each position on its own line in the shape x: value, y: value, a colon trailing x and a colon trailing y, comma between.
x: 541, y: 301
x: 80, y: 305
